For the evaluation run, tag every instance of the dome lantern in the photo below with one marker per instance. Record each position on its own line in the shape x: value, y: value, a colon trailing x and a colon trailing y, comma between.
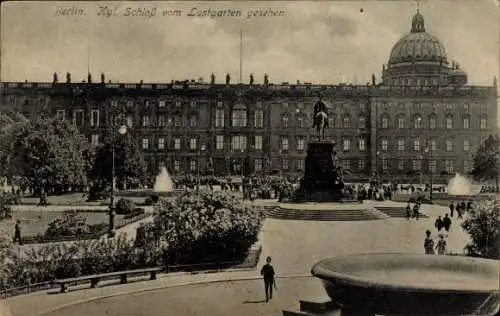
x: 418, y: 24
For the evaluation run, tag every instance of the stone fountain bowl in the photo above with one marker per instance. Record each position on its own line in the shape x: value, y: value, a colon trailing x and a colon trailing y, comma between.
x: 411, y: 284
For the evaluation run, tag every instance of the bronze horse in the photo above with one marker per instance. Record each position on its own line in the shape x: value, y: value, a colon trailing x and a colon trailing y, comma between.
x: 320, y: 122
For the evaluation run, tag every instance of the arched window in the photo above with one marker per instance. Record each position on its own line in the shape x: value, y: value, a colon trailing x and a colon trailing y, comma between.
x: 466, y: 122
x: 361, y: 122
x: 300, y: 121
x: 449, y: 122
x: 401, y: 122
x: 284, y: 120
x: 385, y: 121
x: 483, y: 122
x: 239, y: 116
x: 432, y: 121
x: 417, y: 122
x: 331, y: 121
x: 346, y: 122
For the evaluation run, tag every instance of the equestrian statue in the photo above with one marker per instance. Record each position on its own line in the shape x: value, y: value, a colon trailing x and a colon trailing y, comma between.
x: 320, y: 119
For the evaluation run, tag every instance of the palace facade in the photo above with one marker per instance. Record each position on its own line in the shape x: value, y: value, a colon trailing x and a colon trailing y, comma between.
x: 420, y: 119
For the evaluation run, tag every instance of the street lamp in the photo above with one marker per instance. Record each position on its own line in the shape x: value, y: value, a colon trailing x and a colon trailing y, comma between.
x: 242, y: 163
x: 429, y: 157
x: 378, y: 165
x: 201, y: 148
x: 497, y: 176
x: 122, y: 130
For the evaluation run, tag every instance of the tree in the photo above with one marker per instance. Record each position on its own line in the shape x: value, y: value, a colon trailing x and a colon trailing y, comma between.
x: 482, y: 224
x: 129, y: 161
x: 8, y: 121
x: 486, y: 165
x: 48, y: 154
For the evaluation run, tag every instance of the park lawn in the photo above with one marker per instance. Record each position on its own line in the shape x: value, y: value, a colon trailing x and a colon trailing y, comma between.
x: 36, y: 222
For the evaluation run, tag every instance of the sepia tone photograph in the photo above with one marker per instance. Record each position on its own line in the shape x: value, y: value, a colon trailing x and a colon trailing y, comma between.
x: 249, y: 158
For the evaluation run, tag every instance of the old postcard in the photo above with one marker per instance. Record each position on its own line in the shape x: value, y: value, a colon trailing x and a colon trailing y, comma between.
x: 249, y: 158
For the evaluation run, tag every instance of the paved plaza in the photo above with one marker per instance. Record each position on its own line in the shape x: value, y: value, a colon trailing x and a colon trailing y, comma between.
x: 294, y: 246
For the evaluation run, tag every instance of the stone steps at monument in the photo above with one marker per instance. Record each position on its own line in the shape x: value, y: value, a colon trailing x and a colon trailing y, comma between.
x: 396, y: 211
x: 324, y: 215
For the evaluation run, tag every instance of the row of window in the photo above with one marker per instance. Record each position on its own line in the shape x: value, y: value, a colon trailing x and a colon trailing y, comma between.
x: 239, y: 142
x: 416, y: 145
x: 432, y: 165
x: 353, y: 166
x: 147, y: 103
x: 418, y: 106
x: 432, y: 122
x: 239, y: 119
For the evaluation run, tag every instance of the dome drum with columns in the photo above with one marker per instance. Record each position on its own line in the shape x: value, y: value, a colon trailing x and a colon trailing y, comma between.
x: 419, y: 58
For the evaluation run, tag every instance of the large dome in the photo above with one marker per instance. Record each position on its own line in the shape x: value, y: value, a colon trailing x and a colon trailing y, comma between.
x: 418, y: 46
x: 418, y: 58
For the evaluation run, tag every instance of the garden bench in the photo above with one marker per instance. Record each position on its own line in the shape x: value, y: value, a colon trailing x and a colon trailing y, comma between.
x: 94, y: 279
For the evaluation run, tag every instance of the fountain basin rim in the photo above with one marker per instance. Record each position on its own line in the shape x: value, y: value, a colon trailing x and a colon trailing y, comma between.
x: 328, y: 275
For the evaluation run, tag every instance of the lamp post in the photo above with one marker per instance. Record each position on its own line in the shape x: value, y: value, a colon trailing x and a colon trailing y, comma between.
x: 429, y: 157
x: 378, y: 165
x: 242, y: 163
x: 122, y: 130
x: 201, y: 148
x: 497, y: 176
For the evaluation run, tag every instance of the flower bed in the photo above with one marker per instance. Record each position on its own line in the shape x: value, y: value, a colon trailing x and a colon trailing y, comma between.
x: 97, y: 230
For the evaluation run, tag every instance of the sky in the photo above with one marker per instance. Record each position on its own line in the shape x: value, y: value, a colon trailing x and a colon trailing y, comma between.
x: 318, y: 42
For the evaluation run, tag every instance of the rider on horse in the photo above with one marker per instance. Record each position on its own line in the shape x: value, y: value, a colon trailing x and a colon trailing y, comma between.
x: 319, y: 107
x: 320, y: 117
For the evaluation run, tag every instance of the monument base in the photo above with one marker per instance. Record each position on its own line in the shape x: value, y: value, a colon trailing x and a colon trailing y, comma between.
x: 322, y: 181
x: 315, y: 307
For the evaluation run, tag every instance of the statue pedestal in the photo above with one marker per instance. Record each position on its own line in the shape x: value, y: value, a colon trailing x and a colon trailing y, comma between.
x: 322, y: 181
x: 315, y: 306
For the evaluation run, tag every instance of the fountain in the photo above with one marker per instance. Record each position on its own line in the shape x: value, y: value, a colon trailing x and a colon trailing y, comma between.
x: 163, y: 182
x: 163, y: 186
x: 460, y: 185
x: 410, y: 284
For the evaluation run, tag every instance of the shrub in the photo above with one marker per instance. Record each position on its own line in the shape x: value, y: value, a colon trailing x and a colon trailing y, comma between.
x: 482, y: 224
x: 10, y: 199
x: 71, y: 224
x: 136, y: 212
x: 53, y: 261
x: 5, y: 208
x: 124, y: 206
x: 151, y: 200
x: 6, y: 245
x: 201, y: 227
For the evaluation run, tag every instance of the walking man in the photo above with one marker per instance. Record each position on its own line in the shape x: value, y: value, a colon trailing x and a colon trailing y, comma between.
x: 452, y: 209
x: 416, y: 209
x: 446, y: 222
x: 438, y: 223
x: 267, y: 272
x: 408, y: 211
x: 17, y: 233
